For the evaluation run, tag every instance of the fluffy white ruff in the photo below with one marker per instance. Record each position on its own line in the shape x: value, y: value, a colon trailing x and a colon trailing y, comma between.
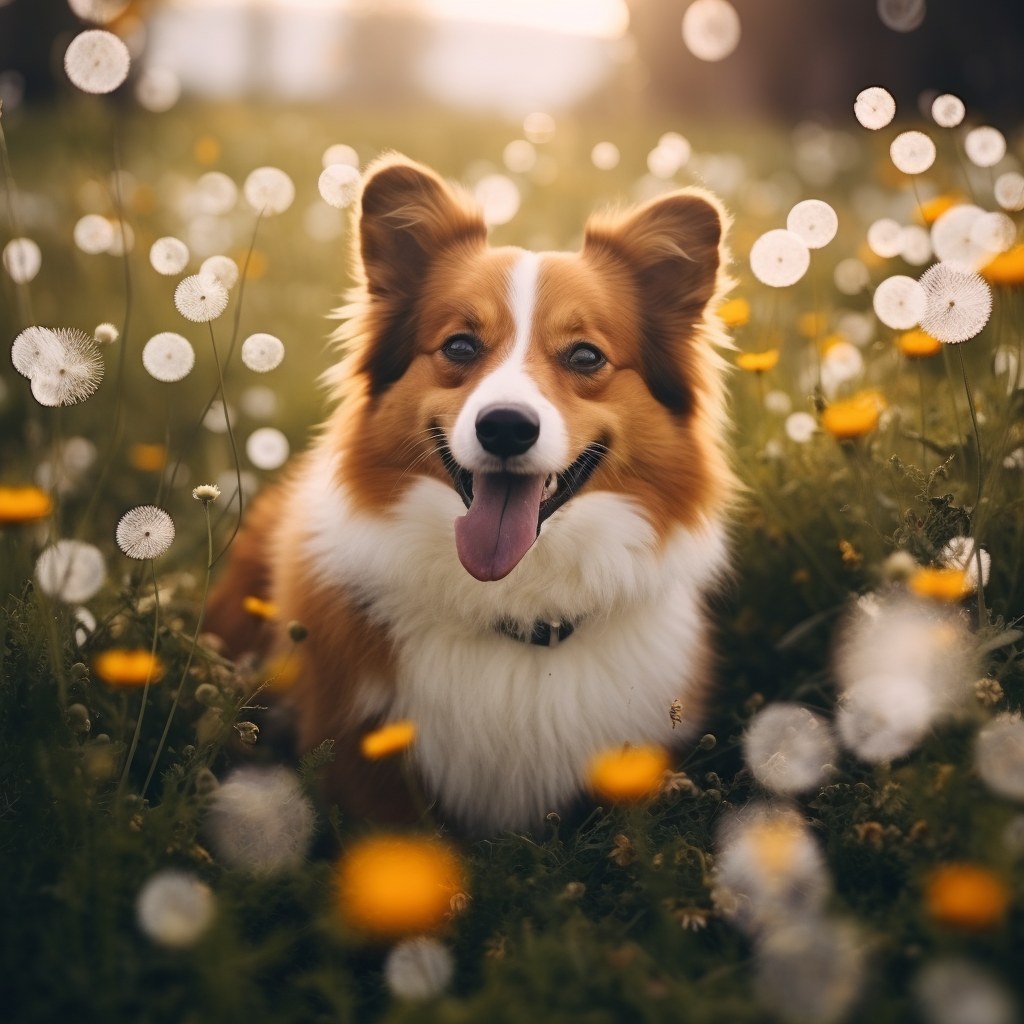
x: 504, y: 728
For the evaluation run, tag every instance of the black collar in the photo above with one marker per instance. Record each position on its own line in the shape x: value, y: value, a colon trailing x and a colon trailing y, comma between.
x: 542, y: 634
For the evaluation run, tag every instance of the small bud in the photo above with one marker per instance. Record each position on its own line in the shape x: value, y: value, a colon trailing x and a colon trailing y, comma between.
x: 707, y: 741
x: 899, y: 567
x: 79, y: 670
x: 675, y: 712
x: 248, y: 732
x: 207, y: 693
x: 188, y: 752
x: 553, y: 818
x: 78, y: 718
x: 297, y: 631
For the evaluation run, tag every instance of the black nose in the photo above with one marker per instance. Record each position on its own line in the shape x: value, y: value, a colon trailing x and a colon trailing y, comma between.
x: 507, y: 430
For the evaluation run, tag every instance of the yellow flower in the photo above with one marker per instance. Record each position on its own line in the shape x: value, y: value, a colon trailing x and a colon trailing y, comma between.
x: 810, y: 325
x: 259, y: 608
x: 932, y: 209
x: 390, y: 739
x: 940, y: 584
x: 1007, y: 268
x: 23, y: 504
x: 758, y: 362
x: 121, y: 667
x: 918, y: 344
x: 397, y: 885
x: 966, y: 896
x: 627, y: 774
x: 735, y: 313
x: 148, y: 457
x: 854, y: 417
x: 206, y: 150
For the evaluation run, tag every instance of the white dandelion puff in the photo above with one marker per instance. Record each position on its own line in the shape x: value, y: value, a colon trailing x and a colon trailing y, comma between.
x: 789, y: 748
x: 952, y: 990
x: 174, y: 908
x: 605, y: 156
x: 145, y: 532
x: 999, y: 756
x: 953, y: 237
x: 99, y: 11
x: 105, y: 334
x: 85, y: 625
x: 168, y: 256
x: 71, y: 571
x: 779, y: 258
x: 874, y: 107
x: 814, y: 221
x: 841, y: 363
x: 339, y: 185
x: 66, y: 472
x: 31, y: 346
x: 200, y: 298
x: 959, y: 303
x: 216, y: 419
x: 662, y: 162
x: 1009, y: 191
x: 959, y: 554
x: 206, y: 493
x: 993, y: 232
x: 94, y: 234
x: 915, y: 245
x: 97, y: 61
x: 539, y: 127
x: 498, y: 197
x: 158, y: 89
x: 711, y: 29
x: 418, y: 968
x: 259, y: 402
x: 948, y: 110
x: 985, y: 146
x: 851, y: 276
x: 885, y: 237
x: 268, y: 190
x: 222, y: 268
x: 215, y: 194
x: 901, y: 15
x: 856, y: 328
x: 260, y: 820
x: 339, y: 153
x: 899, y: 302
x: 263, y: 352
x: 518, y: 156
x: 168, y: 357
x: 69, y: 372
x: 778, y: 403
x: 801, y: 427
x: 912, y: 152
x: 22, y: 259
x: 267, y: 448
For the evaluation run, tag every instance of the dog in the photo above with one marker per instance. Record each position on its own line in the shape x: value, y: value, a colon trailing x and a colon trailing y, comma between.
x: 509, y: 528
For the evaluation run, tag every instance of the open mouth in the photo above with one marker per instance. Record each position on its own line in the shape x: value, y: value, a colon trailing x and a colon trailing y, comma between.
x: 506, y: 510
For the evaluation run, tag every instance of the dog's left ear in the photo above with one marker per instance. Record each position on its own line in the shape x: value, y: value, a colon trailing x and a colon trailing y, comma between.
x: 672, y: 248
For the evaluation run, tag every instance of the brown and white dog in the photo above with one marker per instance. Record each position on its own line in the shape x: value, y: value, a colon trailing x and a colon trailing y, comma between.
x: 507, y: 530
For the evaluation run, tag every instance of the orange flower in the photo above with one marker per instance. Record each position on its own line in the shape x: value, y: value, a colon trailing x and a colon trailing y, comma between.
x: 918, y: 344
x: 259, y: 608
x: 735, y: 313
x: 390, y: 739
x: 1007, y: 268
x: 627, y: 774
x: 932, y: 209
x: 940, y: 584
x: 966, y: 896
x: 397, y: 885
x: 148, y: 457
x: 854, y: 417
x: 24, y: 504
x: 810, y: 325
x: 121, y: 667
x: 758, y: 362
x: 206, y: 150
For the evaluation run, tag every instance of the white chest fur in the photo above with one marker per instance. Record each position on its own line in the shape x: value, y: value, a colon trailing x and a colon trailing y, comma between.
x: 505, y: 728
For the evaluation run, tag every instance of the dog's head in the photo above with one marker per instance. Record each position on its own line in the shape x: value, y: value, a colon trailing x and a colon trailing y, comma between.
x: 522, y: 379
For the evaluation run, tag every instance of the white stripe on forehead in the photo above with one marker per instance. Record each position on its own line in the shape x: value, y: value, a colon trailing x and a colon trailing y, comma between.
x: 522, y: 288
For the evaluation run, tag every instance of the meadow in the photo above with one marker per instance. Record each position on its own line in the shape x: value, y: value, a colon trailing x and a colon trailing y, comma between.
x: 885, y: 884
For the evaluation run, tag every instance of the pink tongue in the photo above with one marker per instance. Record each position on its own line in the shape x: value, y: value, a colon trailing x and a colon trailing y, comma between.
x: 501, y: 524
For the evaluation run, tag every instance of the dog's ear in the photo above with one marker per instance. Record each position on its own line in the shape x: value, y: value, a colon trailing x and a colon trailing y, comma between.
x: 672, y: 248
x: 407, y: 217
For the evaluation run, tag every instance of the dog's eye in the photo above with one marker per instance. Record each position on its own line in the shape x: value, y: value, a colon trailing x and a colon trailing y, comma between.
x: 460, y: 348
x: 585, y: 358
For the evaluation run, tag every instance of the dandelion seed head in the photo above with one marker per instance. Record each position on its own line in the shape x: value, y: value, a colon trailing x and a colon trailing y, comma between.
x: 999, y: 756
x: 498, y: 197
x: 915, y: 245
x: 901, y: 15
x: 952, y: 990
x: 953, y: 237
x: 71, y: 571
x: 66, y: 472
x: 222, y: 268
x: 145, y: 532
x: 1009, y: 191
x: 779, y: 258
x: 851, y: 276
x: 99, y: 11
x: 856, y: 328
x: 958, y: 553
x: 268, y: 190
x: 912, y: 152
x: 948, y: 110
x: 262, y: 352
x: 215, y: 194
x: 105, y: 334
x: 260, y: 820
x: 519, y: 156
x: 874, y: 107
x: 885, y: 237
x: 174, y: 908
x: 958, y: 303
x: 339, y: 153
x: 814, y: 221
x: 97, y: 61
x: 94, y: 234
x: 711, y: 29
x: 605, y: 156
x: 788, y: 748
x: 993, y: 232
x: 22, y: 259
x: 339, y: 185
x: 985, y: 146
x: 839, y: 365
x: 67, y: 372
x: 216, y: 419
x: 158, y: 89
x: 778, y: 403
x: 31, y: 346
x: 168, y: 256
x: 200, y: 298
x: 168, y: 357
x: 418, y: 968
x: 267, y: 448
x: 899, y: 302
x: 801, y: 427
x: 259, y: 402
x: 206, y: 493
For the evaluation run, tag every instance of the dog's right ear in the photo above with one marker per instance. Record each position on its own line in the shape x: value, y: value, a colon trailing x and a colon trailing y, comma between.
x: 407, y: 217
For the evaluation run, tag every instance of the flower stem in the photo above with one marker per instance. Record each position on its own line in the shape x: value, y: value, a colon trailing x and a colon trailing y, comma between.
x: 920, y: 399
x: 234, y: 447
x: 982, y: 612
x: 145, y: 689
x: 192, y: 650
